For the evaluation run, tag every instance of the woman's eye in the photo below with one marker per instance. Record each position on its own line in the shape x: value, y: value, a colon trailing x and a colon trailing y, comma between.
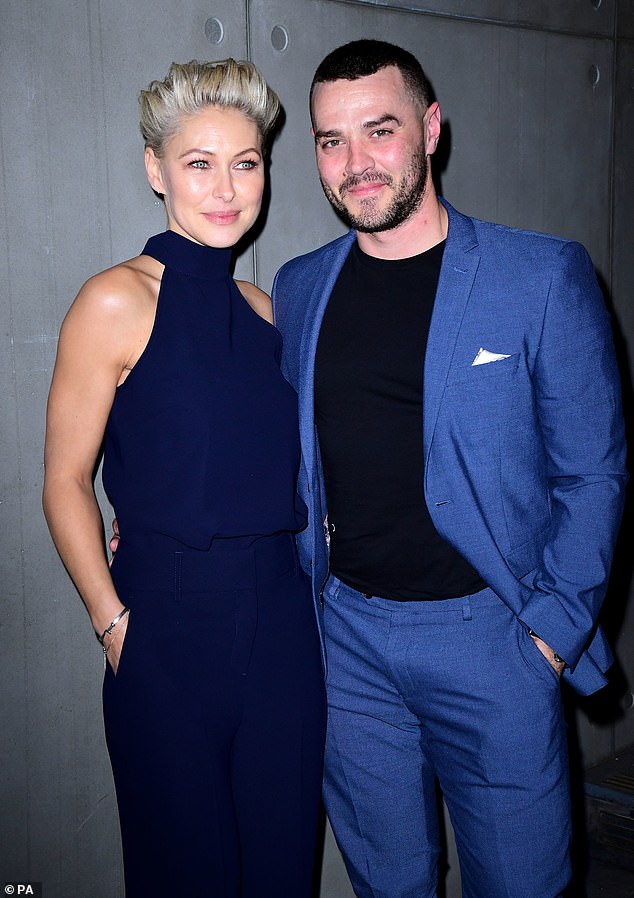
x: 247, y: 164
x: 198, y: 163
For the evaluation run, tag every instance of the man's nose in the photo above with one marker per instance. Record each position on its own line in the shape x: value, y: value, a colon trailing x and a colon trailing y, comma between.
x: 359, y: 158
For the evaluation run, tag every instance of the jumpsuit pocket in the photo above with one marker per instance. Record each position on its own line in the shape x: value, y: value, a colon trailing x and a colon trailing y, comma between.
x: 125, y: 648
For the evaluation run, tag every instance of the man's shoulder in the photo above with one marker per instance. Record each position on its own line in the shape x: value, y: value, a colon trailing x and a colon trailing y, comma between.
x: 316, y: 257
x: 491, y: 235
x: 522, y: 262
x: 494, y: 232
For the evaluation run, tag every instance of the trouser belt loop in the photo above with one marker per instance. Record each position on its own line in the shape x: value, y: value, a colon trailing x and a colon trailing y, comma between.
x: 466, y: 608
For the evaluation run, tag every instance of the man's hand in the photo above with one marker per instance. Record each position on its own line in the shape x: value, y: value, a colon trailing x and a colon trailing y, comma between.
x: 114, y: 542
x: 548, y: 654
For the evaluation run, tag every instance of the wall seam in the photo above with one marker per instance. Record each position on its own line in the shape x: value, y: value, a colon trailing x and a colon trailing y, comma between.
x: 463, y: 17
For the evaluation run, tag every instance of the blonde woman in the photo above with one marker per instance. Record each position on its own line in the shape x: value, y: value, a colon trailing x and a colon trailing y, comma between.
x: 213, y: 693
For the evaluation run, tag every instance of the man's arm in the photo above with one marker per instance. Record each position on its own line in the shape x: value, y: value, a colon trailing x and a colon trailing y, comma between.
x: 579, y: 408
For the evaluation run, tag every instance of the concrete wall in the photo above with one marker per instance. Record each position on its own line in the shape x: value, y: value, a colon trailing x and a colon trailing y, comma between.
x: 538, y: 100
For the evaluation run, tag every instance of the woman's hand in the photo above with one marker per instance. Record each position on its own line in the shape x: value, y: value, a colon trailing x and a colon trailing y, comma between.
x: 113, y: 542
x: 114, y: 642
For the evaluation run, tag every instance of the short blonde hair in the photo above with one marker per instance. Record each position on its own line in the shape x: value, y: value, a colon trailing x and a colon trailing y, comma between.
x: 191, y: 86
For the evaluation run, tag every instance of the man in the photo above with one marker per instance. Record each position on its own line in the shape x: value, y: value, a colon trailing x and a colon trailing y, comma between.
x: 462, y: 439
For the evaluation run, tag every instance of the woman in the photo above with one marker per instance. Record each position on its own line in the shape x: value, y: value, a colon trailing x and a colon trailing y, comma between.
x: 213, y: 693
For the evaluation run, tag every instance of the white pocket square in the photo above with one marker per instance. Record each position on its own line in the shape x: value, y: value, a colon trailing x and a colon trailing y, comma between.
x: 483, y: 356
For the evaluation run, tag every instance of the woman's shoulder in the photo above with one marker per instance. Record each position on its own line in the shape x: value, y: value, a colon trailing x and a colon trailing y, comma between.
x: 259, y: 301
x: 124, y: 289
x: 125, y: 282
x: 115, y: 307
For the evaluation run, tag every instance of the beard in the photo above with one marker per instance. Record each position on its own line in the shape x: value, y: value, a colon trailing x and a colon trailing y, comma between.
x: 407, y: 196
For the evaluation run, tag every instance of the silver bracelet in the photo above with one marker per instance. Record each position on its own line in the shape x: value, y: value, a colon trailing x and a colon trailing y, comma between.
x: 110, y: 628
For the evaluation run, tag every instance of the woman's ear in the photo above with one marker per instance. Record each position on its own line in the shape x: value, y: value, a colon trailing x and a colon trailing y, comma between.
x: 153, y: 171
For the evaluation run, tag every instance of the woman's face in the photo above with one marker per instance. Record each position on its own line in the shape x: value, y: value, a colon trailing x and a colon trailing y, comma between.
x: 211, y: 175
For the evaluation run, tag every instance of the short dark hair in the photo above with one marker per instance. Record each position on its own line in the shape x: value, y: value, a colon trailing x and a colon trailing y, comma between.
x: 366, y: 57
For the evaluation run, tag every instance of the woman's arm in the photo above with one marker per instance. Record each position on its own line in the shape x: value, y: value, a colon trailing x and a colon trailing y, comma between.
x: 98, y: 340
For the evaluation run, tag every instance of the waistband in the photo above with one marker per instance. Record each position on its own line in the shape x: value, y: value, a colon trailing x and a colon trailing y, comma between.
x: 158, y: 563
x: 462, y: 605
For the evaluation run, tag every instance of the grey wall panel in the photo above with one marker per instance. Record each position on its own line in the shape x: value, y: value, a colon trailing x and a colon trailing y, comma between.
x: 42, y: 128
x: 623, y: 299
x: 14, y: 777
x: 623, y: 239
x: 521, y: 148
x: 575, y: 16
x: 625, y: 19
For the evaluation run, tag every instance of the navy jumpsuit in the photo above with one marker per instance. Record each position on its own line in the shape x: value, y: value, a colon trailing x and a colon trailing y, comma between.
x: 215, y: 719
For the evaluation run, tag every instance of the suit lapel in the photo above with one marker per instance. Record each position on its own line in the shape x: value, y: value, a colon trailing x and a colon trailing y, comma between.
x: 323, y: 280
x: 459, y: 266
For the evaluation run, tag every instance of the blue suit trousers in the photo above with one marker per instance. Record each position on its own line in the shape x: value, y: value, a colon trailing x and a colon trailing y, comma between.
x: 454, y: 692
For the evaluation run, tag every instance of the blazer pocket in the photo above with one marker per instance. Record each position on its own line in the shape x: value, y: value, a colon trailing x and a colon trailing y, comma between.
x: 501, y: 370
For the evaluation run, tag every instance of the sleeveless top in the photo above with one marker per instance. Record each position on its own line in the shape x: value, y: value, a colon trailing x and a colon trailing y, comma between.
x: 202, y: 440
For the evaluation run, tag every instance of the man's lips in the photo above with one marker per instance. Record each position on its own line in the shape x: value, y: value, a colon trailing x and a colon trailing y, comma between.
x: 363, y: 188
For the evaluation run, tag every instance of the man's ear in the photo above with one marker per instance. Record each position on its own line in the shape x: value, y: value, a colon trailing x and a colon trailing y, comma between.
x: 153, y: 171
x: 432, y: 124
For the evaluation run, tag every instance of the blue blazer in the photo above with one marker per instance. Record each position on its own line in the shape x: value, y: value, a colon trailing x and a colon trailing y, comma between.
x: 524, y: 456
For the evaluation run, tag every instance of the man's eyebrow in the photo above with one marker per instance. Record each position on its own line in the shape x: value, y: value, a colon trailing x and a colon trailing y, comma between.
x: 382, y: 120
x: 368, y: 125
x: 319, y: 135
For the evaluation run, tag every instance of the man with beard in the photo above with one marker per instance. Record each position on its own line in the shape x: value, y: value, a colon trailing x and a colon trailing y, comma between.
x: 463, y: 456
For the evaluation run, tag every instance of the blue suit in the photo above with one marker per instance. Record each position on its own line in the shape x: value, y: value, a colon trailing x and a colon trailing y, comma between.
x: 524, y: 455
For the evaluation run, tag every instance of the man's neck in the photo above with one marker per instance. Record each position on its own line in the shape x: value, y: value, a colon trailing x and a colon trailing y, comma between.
x: 425, y: 228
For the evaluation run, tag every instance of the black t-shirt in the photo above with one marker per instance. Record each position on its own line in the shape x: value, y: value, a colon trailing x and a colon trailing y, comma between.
x: 368, y: 409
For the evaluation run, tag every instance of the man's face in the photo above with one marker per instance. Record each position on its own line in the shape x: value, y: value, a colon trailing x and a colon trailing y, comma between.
x: 370, y: 143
